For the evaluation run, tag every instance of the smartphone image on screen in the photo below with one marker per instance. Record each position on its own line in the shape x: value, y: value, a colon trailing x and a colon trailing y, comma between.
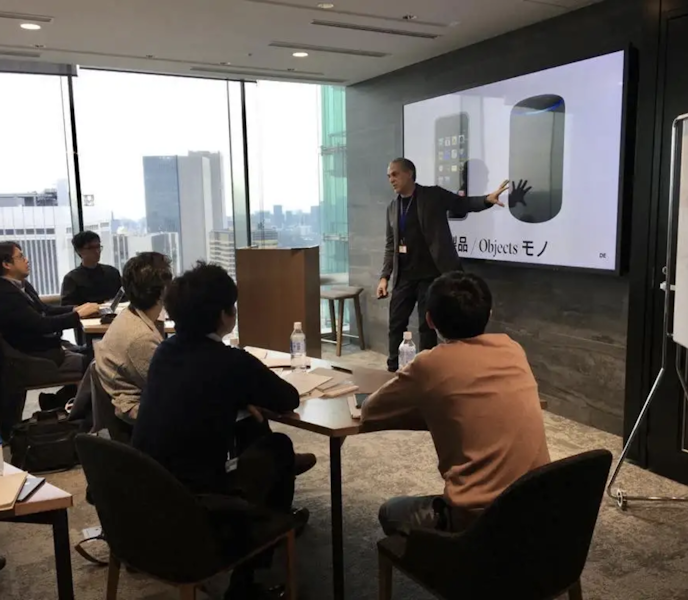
x: 451, y: 150
x: 536, y: 158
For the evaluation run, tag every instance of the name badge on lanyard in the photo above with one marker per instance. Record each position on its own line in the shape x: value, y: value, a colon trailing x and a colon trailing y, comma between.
x: 403, y: 216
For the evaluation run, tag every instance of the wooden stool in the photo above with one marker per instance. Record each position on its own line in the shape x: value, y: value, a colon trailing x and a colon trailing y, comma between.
x: 341, y: 294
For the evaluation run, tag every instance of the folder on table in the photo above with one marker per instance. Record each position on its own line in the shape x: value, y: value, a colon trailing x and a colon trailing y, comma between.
x: 10, y: 488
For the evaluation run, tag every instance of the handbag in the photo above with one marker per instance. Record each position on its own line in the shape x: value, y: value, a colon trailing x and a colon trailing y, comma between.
x: 45, y: 442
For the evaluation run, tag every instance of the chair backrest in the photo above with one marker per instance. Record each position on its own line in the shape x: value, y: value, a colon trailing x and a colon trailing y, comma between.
x: 533, y: 540
x: 150, y: 520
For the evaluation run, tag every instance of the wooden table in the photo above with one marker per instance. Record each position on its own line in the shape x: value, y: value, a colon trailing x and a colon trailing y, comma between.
x: 331, y: 417
x: 48, y: 506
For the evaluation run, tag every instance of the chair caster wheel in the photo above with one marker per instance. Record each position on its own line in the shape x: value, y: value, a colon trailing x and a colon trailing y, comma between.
x: 621, y: 500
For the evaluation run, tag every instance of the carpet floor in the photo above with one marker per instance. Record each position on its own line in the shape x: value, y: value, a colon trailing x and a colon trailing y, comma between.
x: 640, y: 554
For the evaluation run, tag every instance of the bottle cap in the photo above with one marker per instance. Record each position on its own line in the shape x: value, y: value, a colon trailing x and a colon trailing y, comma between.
x: 297, y: 325
x: 407, y: 335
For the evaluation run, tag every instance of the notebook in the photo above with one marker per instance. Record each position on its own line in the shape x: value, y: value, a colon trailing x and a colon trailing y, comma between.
x: 10, y: 487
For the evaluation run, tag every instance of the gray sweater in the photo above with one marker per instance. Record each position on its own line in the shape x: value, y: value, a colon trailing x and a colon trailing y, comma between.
x: 123, y: 357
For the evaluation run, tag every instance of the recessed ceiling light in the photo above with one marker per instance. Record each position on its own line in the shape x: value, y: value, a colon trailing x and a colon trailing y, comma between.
x: 300, y: 54
x: 225, y: 63
x: 326, y: 5
x: 409, y: 17
x: 30, y: 26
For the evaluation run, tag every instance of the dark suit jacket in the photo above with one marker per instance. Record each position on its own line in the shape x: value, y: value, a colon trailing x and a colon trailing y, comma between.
x: 29, y: 325
x: 434, y: 205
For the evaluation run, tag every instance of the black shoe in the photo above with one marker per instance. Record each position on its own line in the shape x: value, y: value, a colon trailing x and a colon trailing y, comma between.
x: 301, y: 516
x: 48, y: 401
x: 304, y: 462
x: 392, y: 369
x: 3, y: 562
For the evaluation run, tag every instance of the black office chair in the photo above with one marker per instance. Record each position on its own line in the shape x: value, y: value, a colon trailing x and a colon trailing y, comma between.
x: 155, y: 525
x: 19, y: 373
x: 531, y: 542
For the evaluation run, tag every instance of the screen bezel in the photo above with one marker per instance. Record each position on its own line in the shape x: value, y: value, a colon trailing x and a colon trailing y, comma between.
x: 626, y: 157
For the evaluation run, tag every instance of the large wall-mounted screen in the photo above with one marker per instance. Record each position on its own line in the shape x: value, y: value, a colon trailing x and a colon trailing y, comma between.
x: 556, y: 136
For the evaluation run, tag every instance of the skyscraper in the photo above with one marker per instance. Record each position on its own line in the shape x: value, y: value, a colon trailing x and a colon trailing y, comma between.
x: 185, y: 195
x: 278, y: 216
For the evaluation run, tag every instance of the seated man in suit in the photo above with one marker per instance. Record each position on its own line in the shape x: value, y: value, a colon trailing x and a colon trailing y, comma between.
x: 32, y: 327
x: 125, y: 352
x: 196, y: 388
x: 477, y: 396
x: 90, y: 281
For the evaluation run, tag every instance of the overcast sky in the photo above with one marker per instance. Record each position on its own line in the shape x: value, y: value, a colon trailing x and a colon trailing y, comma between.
x: 122, y: 117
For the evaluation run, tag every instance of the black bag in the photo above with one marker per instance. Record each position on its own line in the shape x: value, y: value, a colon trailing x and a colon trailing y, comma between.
x: 45, y: 442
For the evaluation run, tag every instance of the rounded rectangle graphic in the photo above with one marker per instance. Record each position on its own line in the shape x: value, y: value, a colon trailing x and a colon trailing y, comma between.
x: 536, y: 158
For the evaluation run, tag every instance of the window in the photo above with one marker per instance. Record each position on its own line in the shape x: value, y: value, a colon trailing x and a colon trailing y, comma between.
x: 155, y: 166
x: 34, y: 179
x: 297, y: 172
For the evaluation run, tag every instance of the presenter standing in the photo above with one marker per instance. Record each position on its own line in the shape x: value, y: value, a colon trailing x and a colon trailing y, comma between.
x: 419, y: 247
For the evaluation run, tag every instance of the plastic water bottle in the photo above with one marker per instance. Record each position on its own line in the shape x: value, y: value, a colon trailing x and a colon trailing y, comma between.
x: 407, y: 350
x: 298, y: 348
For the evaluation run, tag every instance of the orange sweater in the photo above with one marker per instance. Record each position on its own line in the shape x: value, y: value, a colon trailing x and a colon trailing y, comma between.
x: 479, y: 400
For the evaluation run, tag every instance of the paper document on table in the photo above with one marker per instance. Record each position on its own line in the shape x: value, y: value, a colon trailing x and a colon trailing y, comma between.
x: 305, y: 382
x: 259, y: 353
x: 335, y: 377
x: 10, y: 488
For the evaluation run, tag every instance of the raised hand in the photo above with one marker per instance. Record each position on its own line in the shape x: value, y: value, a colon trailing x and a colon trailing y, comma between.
x: 518, y: 193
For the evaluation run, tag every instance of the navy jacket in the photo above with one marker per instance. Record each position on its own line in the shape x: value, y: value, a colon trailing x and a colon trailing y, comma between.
x: 29, y: 325
x: 189, y: 407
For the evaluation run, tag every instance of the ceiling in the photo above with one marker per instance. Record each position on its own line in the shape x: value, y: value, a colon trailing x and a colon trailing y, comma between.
x: 255, y: 39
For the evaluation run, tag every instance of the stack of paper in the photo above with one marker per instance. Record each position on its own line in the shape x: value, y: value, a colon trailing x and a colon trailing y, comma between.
x: 305, y: 382
x: 10, y: 487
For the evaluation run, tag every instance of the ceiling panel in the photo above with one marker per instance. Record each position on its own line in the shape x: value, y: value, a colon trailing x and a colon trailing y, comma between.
x: 176, y: 35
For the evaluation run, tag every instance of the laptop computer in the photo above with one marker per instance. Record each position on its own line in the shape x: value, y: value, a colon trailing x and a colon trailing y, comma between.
x: 112, y: 309
x: 356, y: 404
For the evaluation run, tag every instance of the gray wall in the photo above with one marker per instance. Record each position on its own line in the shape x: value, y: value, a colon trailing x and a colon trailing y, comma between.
x: 572, y: 325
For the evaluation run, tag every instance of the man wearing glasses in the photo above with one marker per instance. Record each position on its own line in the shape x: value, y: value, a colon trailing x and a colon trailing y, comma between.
x: 33, y: 328
x: 90, y: 281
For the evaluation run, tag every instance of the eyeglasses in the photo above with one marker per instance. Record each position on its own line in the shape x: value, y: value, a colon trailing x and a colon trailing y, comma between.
x: 20, y: 256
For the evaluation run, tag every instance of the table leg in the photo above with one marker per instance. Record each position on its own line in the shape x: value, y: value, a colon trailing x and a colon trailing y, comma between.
x: 337, y: 517
x: 63, y: 560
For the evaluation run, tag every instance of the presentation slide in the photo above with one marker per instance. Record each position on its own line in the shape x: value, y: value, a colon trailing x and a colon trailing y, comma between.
x: 556, y: 136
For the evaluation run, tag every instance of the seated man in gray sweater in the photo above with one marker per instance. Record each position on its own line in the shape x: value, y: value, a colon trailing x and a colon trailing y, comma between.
x: 124, y: 354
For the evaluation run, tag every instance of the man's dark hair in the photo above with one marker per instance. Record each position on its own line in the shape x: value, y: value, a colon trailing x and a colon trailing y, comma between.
x: 459, y: 305
x: 196, y: 300
x: 84, y: 238
x: 406, y: 165
x: 145, y: 278
x: 6, y: 253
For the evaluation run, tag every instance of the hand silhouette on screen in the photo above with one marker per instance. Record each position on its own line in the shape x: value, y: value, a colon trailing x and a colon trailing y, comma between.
x: 518, y: 193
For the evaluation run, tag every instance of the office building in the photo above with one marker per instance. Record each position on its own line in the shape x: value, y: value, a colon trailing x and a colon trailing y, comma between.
x: 126, y: 246
x: 222, y: 250
x: 278, y: 216
x: 43, y: 228
x: 185, y: 195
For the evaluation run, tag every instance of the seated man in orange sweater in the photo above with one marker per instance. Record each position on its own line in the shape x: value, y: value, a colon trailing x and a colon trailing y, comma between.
x: 476, y: 395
